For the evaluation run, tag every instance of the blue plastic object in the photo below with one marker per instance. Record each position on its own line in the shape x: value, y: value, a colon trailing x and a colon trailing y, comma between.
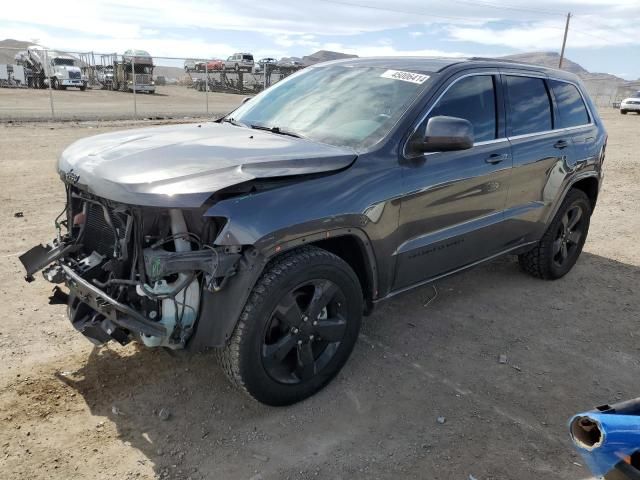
x: 607, y: 436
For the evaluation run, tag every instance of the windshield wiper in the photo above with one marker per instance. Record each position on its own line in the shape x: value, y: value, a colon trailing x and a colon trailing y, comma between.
x: 232, y: 121
x: 277, y: 130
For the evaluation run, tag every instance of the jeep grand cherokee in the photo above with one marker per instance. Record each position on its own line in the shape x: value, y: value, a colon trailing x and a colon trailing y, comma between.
x: 268, y: 233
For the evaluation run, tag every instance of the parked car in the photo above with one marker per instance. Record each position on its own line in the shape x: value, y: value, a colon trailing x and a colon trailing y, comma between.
x: 265, y: 61
x: 239, y: 62
x: 290, y: 64
x: 269, y: 233
x: 190, y: 65
x: 215, y: 64
x: 630, y: 105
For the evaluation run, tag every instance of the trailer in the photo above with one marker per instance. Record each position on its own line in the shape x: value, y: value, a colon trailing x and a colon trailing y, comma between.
x: 246, y: 83
x: 13, y: 76
x: 53, y: 69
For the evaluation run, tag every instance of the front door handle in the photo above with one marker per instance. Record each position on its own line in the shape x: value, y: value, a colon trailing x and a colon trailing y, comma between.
x: 496, y: 158
x: 560, y: 144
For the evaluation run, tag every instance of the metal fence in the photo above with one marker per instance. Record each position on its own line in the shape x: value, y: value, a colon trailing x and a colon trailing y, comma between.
x: 606, y: 92
x: 62, y: 85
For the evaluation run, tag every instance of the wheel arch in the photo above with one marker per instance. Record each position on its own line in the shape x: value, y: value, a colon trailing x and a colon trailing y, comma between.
x: 353, y: 251
x: 590, y: 186
x: 350, y: 244
x: 589, y: 183
x: 220, y: 312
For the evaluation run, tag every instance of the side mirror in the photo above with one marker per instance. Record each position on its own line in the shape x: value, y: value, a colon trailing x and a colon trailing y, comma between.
x: 446, y: 134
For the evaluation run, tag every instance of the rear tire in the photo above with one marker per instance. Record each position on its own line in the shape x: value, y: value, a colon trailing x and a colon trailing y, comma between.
x: 297, y: 328
x: 561, y: 245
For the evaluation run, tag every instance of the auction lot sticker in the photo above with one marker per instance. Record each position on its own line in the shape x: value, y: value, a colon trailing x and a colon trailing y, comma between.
x: 405, y: 76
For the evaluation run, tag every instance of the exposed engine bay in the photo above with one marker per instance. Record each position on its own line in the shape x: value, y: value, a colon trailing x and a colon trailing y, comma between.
x: 133, y: 273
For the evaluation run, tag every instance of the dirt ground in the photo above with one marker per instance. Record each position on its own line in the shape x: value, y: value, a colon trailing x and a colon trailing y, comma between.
x: 170, y: 101
x: 69, y: 411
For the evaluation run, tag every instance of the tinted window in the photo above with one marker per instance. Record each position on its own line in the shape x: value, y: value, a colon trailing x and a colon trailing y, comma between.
x: 472, y: 98
x: 571, y: 109
x: 529, y: 106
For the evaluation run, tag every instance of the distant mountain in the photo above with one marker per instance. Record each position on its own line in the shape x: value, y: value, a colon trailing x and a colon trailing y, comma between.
x: 551, y: 59
x: 9, y: 48
x: 325, y: 56
x: 548, y: 59
x: 171, y: 74
x: 319, y: 56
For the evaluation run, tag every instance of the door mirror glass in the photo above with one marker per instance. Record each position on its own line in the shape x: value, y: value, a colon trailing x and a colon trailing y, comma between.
x: 445, y: 134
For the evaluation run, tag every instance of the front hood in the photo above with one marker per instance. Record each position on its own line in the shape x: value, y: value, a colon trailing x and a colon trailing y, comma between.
x: 66, y: 68
x: 182, y: 165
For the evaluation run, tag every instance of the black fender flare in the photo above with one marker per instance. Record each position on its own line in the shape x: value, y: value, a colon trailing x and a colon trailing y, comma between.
x: 575, y: 179
x: 220, y: 311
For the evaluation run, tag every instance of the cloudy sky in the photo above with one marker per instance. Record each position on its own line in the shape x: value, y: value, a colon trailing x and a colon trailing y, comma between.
x: 604, y: 34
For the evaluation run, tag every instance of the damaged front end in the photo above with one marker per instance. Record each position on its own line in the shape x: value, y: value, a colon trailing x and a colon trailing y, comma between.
x: 133, y: 273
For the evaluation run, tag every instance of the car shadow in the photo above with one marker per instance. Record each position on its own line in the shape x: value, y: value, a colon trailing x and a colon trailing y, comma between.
x: 180, y: 412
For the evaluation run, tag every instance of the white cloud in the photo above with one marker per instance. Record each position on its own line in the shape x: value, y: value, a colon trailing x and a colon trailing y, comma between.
x: 390, y: 51
x: 166, y: 27
x: 548, y: 35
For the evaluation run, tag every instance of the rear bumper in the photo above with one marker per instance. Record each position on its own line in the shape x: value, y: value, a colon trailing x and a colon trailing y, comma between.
x: 630, y: 107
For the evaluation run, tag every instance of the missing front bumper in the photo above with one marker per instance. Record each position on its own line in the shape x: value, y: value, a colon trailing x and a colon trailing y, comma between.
x: 118, y: 313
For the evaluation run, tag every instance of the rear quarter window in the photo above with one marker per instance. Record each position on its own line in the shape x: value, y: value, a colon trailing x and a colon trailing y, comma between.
x: 529, y: 105
x: 572, y: 111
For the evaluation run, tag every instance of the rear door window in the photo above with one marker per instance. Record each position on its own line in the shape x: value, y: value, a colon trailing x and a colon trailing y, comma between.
x: 572, y: 111
x: 474, y: 99
x: 529, y: 105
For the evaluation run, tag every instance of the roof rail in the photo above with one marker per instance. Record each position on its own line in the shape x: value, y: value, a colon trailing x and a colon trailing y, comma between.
x: 490, y: 59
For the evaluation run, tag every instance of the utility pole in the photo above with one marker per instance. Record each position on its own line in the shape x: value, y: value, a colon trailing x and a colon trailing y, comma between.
x: 564, y: 40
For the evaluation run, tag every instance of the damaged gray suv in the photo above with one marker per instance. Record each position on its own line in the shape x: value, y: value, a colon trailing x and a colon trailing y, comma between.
x: 269, y: 233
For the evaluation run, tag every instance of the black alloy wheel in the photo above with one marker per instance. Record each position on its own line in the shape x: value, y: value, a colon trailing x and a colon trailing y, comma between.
x: 304, y: 332
x: 297, y: 328
x: 559, y: 248
x: 568, y: 235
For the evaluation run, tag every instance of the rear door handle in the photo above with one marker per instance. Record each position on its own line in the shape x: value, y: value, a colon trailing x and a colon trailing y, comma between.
x: 496, y: 158
x: 560, y: 144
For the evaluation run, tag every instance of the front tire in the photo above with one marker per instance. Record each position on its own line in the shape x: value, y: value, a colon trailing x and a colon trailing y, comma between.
x: 561, y: 245
x: 623, y: 112
x: 297, y: 328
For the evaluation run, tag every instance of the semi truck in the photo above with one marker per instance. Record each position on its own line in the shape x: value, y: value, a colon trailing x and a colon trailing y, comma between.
x: 49, y: 67
x: 138, y: 62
